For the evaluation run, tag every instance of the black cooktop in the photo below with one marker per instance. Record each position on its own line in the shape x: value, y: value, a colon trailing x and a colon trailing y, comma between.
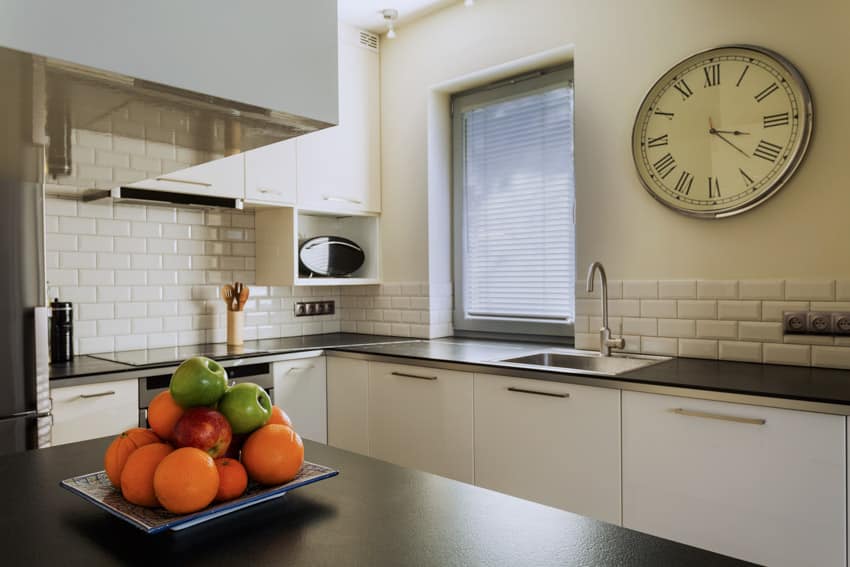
x: 176, y: 355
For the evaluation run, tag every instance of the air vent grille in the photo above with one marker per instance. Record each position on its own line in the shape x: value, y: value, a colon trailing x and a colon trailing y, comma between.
x: 369, y: 40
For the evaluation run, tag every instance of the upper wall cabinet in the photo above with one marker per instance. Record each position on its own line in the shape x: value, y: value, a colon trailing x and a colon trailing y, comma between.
x: 270, y: 174
x: 220, y: 178
x: 339, y: 168
x: 196, y: 45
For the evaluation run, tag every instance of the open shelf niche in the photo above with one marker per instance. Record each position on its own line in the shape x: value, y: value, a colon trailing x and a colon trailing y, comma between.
x: 281, y: 230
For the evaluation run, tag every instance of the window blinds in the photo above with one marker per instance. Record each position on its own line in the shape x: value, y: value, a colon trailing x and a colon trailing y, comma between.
x: 518, y: 204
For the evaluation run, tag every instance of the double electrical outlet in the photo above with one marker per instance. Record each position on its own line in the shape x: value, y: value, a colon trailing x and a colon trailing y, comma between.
x: 311, y: 308
x: 817, y: 322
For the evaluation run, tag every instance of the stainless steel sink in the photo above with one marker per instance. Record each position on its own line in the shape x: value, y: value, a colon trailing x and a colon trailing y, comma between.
x: 586, y: 361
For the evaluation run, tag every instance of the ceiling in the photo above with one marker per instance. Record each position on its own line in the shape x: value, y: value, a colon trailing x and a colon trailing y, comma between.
x: 365, y: 14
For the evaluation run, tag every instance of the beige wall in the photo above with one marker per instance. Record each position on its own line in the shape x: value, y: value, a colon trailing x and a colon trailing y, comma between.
x: 621, y: 47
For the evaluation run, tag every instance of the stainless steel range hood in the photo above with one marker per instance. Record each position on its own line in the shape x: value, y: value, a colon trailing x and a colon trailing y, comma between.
x: 166, y: 198
x: 62, y: 97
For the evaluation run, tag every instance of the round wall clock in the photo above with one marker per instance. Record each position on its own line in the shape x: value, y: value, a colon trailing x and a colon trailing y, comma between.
x: 722, y: 131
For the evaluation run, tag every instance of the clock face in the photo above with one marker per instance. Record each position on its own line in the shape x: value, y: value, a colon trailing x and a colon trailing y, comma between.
x: 722, y: 131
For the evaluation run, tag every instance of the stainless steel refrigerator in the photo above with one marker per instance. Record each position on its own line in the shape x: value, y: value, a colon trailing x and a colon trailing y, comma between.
x: 24, y: 374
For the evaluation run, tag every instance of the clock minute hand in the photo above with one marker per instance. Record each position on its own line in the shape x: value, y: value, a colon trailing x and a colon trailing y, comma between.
x: 735, y: 132
x: 722, y: 137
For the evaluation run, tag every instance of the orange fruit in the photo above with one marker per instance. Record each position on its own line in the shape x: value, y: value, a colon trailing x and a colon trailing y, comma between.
x: 273, y: 454
x: 137, y: 476
x: 279, y: 416
x: 119, y: 450
x: 233, y: 479
x: 186, y: 481
x: 163, y: 413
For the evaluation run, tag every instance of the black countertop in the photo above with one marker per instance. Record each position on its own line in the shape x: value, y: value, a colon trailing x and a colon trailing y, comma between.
x: 816, y: 385
x: 82, y: 366
x: 372, y: 514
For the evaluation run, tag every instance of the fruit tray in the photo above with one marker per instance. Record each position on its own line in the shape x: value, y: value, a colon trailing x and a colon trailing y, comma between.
x: 96, y: 488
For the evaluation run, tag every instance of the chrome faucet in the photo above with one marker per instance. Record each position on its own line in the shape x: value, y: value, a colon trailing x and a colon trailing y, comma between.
x: 606, y: 341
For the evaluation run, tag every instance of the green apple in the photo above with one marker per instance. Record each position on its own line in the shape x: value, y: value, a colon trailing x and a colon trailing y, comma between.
x: 246, y: 406
x: 199, y: 381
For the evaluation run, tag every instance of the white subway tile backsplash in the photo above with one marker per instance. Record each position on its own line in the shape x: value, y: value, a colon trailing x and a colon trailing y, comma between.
x: 657, y: 308
x: 77, y: 260
x: 709, y: 329
x: 762, y: 289
x: 697, y: 309
x: 676, y: 328
x: 717, y: 289
x: 113, y: 261
x: 113, y: 327
x: 636, y: 326
x: 130, y: 245
x: 96, y: 344
x: 146, y: 261
x: 760, y: 331
x: 740, y: 351
x: 798, y: 355
x: 810, y: 290
x: 739, y: 310
x: 162, y: 246
x: 640, y: 289
x: 677, y: 289
x: 698, y: 348
x: 112, y: 293
x: 97, y: 277
x: 807, y: 340
x: 773, y: 310
x: 131, y: 342
x: 659, y: 345
x: 75, y: 225
x: 831, y: 357
x: 842, y: 290
x: 620, y: 307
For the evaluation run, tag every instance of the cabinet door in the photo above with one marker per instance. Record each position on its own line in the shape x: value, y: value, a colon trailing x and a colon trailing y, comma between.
x: 220, y: 178
x: 94, y: 410
x: 348, y: 404
x: 300, y: 390
x: 761, y: 484
x: 557, y: 444
x: 339, y: 168
x: 422, y: 418
x: 270, y: 174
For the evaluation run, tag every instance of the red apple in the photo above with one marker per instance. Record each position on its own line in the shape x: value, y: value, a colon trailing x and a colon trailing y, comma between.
x: 205, y: 429
x: 236, y: 445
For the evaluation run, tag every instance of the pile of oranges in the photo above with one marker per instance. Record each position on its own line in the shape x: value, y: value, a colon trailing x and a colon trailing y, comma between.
x: 150, y: 472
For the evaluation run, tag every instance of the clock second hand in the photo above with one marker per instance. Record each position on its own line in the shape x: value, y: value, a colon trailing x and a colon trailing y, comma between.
x: 712, y: 130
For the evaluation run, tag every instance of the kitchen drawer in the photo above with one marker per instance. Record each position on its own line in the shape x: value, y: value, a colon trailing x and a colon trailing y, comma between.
x: 557, y: 444
x: 300, y: 389
x: 422, y: 418
x: 761, y: 484
x: 94, y: 410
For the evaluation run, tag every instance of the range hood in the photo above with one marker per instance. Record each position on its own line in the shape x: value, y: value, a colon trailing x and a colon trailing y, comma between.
x: 152, y: 197
x: 54, y: 98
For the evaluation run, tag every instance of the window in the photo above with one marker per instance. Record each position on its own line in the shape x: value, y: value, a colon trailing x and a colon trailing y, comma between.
x: 514, y: 231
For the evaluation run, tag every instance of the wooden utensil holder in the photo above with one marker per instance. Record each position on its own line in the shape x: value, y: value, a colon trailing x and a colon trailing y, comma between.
x: 235, y: 327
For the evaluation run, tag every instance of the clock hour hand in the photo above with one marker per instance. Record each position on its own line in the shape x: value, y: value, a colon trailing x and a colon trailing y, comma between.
x: 735, y: 132
x: 715, y: 132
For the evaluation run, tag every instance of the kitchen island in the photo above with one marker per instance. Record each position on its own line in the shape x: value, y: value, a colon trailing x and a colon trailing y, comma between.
x: 372, y: 514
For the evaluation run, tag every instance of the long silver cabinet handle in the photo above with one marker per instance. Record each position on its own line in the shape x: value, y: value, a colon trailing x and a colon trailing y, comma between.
x: 98, y: 395
x: 535, y: 392
x: 404, y: 375
x: 264, y: 190
x: 300, y: 369
x: 184, y: 181
x: 343, y: 199
x: 721, y: 417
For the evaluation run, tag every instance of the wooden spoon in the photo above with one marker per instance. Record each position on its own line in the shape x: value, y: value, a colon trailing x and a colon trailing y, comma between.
x: 242, y: 298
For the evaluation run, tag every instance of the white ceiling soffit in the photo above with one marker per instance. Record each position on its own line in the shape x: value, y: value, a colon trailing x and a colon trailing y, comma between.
x: 366, y: 14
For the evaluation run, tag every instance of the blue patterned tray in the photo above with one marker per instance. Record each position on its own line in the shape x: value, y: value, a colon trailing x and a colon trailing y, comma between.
x: 96, y: 488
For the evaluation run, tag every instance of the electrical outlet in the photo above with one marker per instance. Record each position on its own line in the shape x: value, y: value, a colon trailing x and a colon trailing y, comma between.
x: 841, y: 323
x: 794, y: 322
x: 819, y: 323
x: 312, y: 308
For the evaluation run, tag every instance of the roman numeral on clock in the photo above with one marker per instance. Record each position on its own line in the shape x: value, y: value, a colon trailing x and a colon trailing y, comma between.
x: 741, y: 78
x: 683, y: 89
x: 667, y: 115
x: 780, y: 119
x: 767, y: 151
x: 656, y: 142
x: 766, y: 92
x: 683, y: 185
x: 665, y: 165
x: 712, y: 75
x: 747, y: 179
x: 713, y: 188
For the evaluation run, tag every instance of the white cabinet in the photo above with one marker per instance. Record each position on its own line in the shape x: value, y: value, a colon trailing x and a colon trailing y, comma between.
x: 348, y: 404
x: 557, y: 444
x: 339, y: 168
x: 94, y: 410
x: 761, y: 484
x: 220, y: 178
x: 422, y: 418
x: 300, y: 390
x: 270, y: 174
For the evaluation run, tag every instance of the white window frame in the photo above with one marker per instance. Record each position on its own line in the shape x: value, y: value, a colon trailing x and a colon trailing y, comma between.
x: 504, y: 90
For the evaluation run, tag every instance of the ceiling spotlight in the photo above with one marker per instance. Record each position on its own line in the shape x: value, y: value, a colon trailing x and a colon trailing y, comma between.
x: 468, y: 3
x: 390, y: 16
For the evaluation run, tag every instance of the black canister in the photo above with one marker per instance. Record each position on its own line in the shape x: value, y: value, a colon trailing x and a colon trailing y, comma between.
x: 61, y: 331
